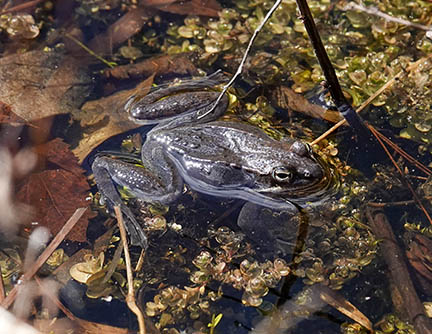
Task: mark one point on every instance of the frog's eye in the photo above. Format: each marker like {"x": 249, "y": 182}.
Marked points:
{"x": 282, "y": 175}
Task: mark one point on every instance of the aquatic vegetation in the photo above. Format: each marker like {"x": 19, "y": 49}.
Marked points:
{"x": 225, "y": 38}
{"x": 83, "y": 271}
{"x": 19, "y": 26}
{"x": 390, "y": 324}
{"x": 253, "y": 278}
{"x": 95, "y": 273}
{"x": 367, "y": 51}
{"x": 101, "y": 11}
{"x": 333, "y": 254}
{"x": 11, "y": 265}
{"x": 57, "y": 258}
{"x": 361, "y": 71}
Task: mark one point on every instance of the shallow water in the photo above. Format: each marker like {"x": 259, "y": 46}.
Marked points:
{"x": 329, "y": 244}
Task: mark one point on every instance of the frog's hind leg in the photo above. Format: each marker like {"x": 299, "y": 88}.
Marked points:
{"x": 103, "y": 169}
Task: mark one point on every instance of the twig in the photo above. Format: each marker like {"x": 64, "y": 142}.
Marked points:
{"x": 21, "y": 7}
{"x": 130, "y": 298}
{"x": 403, "y": 153}
{"x": 55, "y": 300}
{"x": 2, "y": 290}
{"x": 91, "y": 52}
{"x": 44, "y": 256}
{"x": 407, "y": 183}
{"x": 140, "y": 262}
{"x": 329, "y": 72}
{"x": 400, "y": 203}
{"x": 245, "y": 55}
{"x": 387, "y": 17}
{"x": 398, "y": 272}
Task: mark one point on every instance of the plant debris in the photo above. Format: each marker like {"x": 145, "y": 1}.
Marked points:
{"x": 57, "y": 191}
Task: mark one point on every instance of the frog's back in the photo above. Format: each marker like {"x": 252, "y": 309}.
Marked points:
{"x": 237, "y": 144}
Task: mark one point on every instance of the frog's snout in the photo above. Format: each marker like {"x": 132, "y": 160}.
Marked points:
{"x": 313, "y": 172}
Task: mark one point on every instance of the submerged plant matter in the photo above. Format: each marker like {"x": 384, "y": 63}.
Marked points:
{"x": 198, "y": 257}
{"x": 367, "y": 50}
{"x": 21, "y": 26}
{"x": 390, "y": 324}
{"x": 337, "y": 247}
{"x": 361, "y": 71}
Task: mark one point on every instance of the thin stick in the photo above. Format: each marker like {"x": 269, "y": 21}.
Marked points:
{"x": 44, "y": 256}
{"x": 408, "y": 184}
{"x": 400, "y": 203}
{"x": 91, "y": 52}
{"x": 329, "y": 72}
{"x": 404, "y": 154}
{"x": 359, "y": 109}
{"x": 2, "y": 290}
{"x": 130, "y": 298}
{"x": 55, "y": 300}
{"x": 140, "y": 262}
{"x": 21, "y": 6}
{"x": 245, "y": 55}
{"x": 387, "y": 17}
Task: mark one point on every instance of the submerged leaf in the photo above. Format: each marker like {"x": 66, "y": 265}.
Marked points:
{"x": 8, "y": 116}
{"x": 191, "y": 7}
{"x": 56, "y": 193}
{"x": 105, "y": 117}
{"x": 39, "y": 84}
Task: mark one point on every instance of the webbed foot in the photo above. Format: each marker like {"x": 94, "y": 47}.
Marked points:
{"x": 134, "y": 229}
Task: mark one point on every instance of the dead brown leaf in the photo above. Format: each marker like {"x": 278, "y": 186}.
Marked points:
{"x": 56, "y": 193}
{"x": 286, "y": 98}
{"x": 104, "y": 118}
{"x": 57, "y": 152}
{"x": 179, "y": 64}
{"x": 124, "y": 28}
{"x": 191, "y": 7}
{"x": 420, "y": 255}
{"x": 8, "y": 116}
{"x": 88, "y": 327}
{"x": 38, "y": 84}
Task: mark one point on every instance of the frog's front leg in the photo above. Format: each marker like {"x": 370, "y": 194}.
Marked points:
{"x": 140, "y": 181}
{"x": 273, "y": 228}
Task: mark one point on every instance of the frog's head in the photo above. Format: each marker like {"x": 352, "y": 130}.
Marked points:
{"x": 298, "y": 175}
{"x": 299, "y": 167}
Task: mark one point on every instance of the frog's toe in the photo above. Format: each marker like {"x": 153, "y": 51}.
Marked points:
{"x": 137, "y": 236}
{"x": 134, "y": 229}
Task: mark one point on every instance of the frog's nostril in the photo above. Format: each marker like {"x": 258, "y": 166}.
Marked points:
{"x": 314, "y": 171}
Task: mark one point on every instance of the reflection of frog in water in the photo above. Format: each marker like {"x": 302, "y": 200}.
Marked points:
{"x": 221, "y": 158}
